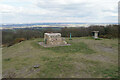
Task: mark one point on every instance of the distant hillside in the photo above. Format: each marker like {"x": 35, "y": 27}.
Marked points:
{"x": 57, "y": 24}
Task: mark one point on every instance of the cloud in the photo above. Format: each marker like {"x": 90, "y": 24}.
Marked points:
{"x": 59, "y": 10}
{"x": 6, "y": 8}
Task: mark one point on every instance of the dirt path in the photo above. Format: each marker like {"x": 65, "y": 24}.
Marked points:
{"x": 105, "y": 48}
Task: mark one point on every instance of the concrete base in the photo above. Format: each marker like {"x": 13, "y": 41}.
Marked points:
{"x": 45, "y": 45}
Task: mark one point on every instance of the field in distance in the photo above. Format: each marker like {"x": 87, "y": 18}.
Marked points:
{"x": 84, "y": 58}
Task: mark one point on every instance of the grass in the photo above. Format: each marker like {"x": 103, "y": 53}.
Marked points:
{"x": 73, "y": 48}
{"x": 55, "y": 67}
{"x": 7, "y": 59}
{"x": 98, "y": 39}
{"x": 80, "y": 60}
{"x": 106, "y": 72}
{"x": 110, "y": 73}
{"x": 93, "y": 38}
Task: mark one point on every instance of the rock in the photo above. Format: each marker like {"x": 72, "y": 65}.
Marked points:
{"x": 54, "y": 39}
{"x": 36, "y": 66}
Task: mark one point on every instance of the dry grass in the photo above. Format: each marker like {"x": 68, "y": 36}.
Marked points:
{"x": 84, "y": 58}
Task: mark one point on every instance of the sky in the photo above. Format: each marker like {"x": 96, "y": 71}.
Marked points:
{"x": 39, "y": 11}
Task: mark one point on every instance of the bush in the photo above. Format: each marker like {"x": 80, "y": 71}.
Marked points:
{"x": 17, "y": 40}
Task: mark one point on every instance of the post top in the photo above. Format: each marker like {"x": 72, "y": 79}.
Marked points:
{"x": 95, "y": 31}
{"x": 52, "y": 34}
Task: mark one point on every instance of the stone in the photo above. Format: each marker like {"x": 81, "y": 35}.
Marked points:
{"x": 36, "y": 66}
{"x": 54, "y": 39}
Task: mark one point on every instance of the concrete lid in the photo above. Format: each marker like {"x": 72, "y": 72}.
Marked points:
{"x": 53, "y": 34}
{"x": 95, "y": 31}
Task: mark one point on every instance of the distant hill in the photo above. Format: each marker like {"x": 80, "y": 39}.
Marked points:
{"x": 31, "y": 24}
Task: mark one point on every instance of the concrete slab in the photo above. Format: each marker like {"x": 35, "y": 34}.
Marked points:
{"x": 45, "y": 45}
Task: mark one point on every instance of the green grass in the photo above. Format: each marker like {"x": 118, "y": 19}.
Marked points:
{"x": 111, "y": 72}
{"x": 73, "y": 48}
{"x": 54, "y": 67}
{"x": 82, "y": 59}
{"x": 98, "y": 39}
{"x": 93, "y": 38}
{"x": 114, "y": 45}
{"x": 100, "y": 68}
{"x": 7, "y": 59}
{"x": 89, "y": 38}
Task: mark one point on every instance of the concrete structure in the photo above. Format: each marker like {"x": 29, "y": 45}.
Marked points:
{"x": 54, "y": 39}
{"x": 96, "y": 34}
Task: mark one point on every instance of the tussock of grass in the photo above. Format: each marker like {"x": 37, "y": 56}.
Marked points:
{"x": 8, "y": 59}
{"x": 98, "y": 39}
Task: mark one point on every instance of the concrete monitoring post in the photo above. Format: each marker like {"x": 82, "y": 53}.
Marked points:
{"x": 96, "y": 34}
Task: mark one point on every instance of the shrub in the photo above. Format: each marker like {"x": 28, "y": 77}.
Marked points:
{"x": 17, "y": 40}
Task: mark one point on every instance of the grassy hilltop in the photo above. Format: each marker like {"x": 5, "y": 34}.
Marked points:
{"x": 85, "y": 58}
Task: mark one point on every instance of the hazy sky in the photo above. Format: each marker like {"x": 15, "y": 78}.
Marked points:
{"x": 34, "y": 11}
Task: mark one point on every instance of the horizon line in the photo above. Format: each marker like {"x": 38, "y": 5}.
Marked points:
{"x": 63, "y": 23}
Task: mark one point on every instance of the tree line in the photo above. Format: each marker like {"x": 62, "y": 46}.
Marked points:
{"x": 13, "y": 36}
